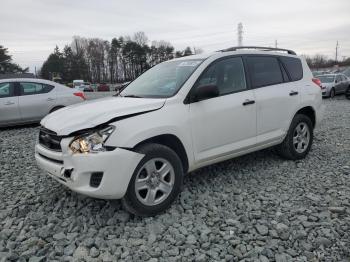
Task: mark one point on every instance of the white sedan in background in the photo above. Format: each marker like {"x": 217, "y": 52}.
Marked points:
{"x": 28, "y": 100}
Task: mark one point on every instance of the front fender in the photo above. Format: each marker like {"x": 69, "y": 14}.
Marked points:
{"x": 132, "y": 131}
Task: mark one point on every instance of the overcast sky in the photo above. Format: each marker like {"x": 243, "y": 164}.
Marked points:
{"x": 32, "y": 28}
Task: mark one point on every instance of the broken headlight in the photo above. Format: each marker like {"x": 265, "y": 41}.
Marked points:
{"x": 91, "y": 142}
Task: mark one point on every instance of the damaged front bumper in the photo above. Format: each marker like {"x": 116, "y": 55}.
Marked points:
{"x": 103, "y": 175}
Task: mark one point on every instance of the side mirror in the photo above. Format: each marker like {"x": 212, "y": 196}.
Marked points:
{"x": 205, "y": 91}
{"x": 336, "y": 81}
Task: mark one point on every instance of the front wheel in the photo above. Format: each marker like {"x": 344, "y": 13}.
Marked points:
{"x": 332, "y": 93}
{"x": 298, "y": 140}
{"x": 156, "y": 182}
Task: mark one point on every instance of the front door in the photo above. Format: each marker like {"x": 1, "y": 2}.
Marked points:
{"x": 225, "y": 124}
{"x": 9, "y": 110}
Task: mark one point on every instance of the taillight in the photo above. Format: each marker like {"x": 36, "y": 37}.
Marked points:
{"x": 80, "y": 94}
{"x": 317, "y": 81}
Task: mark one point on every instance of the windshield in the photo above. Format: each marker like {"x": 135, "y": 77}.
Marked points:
{"x": 163, "y": 80}
{"x": 326, "y": 79}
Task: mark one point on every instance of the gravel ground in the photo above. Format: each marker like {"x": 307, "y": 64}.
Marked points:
{"x": 253, "y": 208}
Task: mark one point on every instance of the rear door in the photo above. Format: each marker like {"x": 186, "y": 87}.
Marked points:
{"x": 36, "y": 100}
{"x": 276, "y": 96}
{"x": 9, "y": 110}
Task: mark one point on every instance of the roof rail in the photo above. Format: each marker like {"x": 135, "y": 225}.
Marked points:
{"x": 235, "y": 48}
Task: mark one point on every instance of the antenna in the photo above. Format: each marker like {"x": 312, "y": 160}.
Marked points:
{"x": 336, "y": 51}
{"x": 240, "y": 34}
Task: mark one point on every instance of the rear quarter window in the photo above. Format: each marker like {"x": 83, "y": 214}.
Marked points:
{"x": 31, "y": 88}
{"x": 293, "y": 66}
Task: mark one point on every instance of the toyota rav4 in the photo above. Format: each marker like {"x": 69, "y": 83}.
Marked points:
{"x": 179, "y": 116}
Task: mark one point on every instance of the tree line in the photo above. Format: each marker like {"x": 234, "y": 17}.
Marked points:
{"x": 97, "y": 60}
{"x": 319, "y": 61}
{"x": 6, "y": 64}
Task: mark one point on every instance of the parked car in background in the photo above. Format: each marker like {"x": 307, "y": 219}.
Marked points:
{"x": 88, "y": 89}
{"x": 347, "y": 93}
{"x": 333, "y": 84}
{"x": 346, "y": 72}
{"x": 77, "y": 83}
{"x": 179, "y": 116}
{"x": 27, "y": 100}
{"x": 317, "y": 73}
{"x": 103, "y": 88}
{"x": 94, "y": 87}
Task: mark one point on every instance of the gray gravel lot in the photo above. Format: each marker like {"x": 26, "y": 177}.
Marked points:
{"x": 253, "y": 208}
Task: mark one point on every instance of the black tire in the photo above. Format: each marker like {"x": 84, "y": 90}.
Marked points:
{"x": 131, "y": 203}
{"x": 347, "y": 93}
{"x": 287, "y": 148}
{"x": 332, "y": 93}
{"x": 56, "y": 108}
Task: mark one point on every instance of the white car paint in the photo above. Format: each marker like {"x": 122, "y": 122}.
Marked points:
{"x": 20, "y": 109}
{"x": 104, "y": 109}
{"x": 212, "y": 130}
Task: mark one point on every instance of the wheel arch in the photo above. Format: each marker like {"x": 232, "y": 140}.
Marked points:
{"x": 309, "y": 111}
{"x": 172, "y": 142}
{"x": 56, "y": 108}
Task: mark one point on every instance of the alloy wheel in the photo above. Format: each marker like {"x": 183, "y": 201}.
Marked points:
{"x": 154, "y": 181}
{"x": 301, "y": 137}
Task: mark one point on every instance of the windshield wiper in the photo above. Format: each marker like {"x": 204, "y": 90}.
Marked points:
{"x": 134, "y": 96}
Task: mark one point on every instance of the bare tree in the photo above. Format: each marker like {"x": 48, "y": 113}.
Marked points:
{"x": 140, "y": 38}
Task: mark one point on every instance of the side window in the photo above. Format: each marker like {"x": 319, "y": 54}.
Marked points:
{"x": 228, "y": 75}
{"x": 338, "y": 79}
{"x": 284, "y": 73}
{"x": 29, "y": 88}
{"x": 7, "y": 90}
{"x": 293, "y": 66}
{"x": 47, "y": 88}
{"x": 264, "y": 71}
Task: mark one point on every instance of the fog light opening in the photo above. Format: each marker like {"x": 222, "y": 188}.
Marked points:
{"x": 67, "y": 173}
{"x": 95, "y": 179}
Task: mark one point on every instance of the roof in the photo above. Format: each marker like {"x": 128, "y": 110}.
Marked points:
{"x": 26, "y": 80}
{"x": 331, "y": 74}
{"x": 241, "y": 51}
{"x": 21, "y": 75}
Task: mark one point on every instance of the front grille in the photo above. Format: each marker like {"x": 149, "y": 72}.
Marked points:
{"x": 50, "y": 140}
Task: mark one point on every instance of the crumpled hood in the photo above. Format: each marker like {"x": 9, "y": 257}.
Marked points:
{"x": 93, "y": 113}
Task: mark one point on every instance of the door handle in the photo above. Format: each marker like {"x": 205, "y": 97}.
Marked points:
{"x": 9, "y": 103}
{"x": 293, "y": 93}
{"x": 248, "y": 102}
{"x": 50, "y": 99}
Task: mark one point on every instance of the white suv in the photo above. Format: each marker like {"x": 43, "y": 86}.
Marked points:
{"x": 179, "y": 116}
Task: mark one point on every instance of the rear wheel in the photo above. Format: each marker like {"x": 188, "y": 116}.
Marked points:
{"x": 298, "y": 140}
{"x": 347, "y": 93}
{"x": 156, "y": 182}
